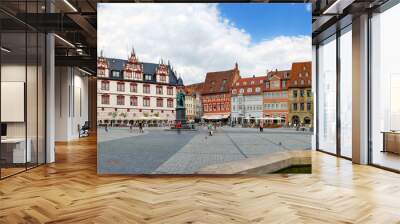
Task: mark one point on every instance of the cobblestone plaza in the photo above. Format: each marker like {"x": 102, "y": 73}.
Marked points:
{"x": 157, "y": 151}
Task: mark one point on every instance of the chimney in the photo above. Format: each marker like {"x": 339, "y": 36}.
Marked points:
{"x": 236, "y": 66}
{"x": 276, "y": 70}
{"x": 254, "y": 76}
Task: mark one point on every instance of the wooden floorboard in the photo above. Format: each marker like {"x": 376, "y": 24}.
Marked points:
{"x": 70, "y": 191}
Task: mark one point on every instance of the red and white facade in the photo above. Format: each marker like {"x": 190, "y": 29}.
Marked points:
{"x": 131, "y": 91}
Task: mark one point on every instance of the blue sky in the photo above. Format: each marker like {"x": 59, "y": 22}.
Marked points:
{"x": 269, "y": 20}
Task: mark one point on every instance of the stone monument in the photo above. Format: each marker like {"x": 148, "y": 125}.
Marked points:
{"x": 180, "y": 108}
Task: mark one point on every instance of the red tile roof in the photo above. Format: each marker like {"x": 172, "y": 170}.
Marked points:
{"x": 194, "y": 88}
{"x": 220, "y": 82}
{"x": 300, "y": 75}
{"x": 285, "y": 74}
{"x": 250, "y": 82}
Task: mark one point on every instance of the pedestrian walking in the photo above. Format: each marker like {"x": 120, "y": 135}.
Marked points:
{"x": 210, "y": 131}
{"x": 179, "y": 126}
{"x": 140, "y": 127}
{"x": 106, "y": 127}
{"x": 130, "y": 127}
{"x": 261, "y": 127}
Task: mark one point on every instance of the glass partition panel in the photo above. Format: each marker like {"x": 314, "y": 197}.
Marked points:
{"x": 13, "y": 92}
{"x": 346, "y": 93}
{"x": 385, "y": 89}
{"x": 31, "y": 98}
{"x": 41, "y": 99}
{"x": 327, "y": 95}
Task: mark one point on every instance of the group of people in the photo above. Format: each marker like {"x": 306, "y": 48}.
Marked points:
{"x": 140, "y": 125}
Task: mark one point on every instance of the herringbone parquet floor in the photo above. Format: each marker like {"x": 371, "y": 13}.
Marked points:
{"x": 69, "y": 191}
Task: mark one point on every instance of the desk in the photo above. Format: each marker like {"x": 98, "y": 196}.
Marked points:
{"x": 13, "y": 150}
{"x": 391, "y": 141}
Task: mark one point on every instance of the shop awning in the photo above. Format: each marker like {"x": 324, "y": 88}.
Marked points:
{"x": 215, "y": 117}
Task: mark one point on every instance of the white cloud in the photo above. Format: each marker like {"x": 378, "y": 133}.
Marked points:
{"x": 195, "y": 38}
{"x": 308, "y": 7}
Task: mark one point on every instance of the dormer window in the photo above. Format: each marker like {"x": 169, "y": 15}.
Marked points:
{"x": 163, "y": 78}
{"x": 115, "y": 74}
{"x": 147, "y": 77}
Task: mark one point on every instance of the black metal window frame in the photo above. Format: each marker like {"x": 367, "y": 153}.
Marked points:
{"x": 44, "y": 80}
{"x": 339, "y": 32}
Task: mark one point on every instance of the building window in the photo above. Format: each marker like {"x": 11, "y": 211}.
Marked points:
{"x": 283, "y": 83}
{"x": 241, "y": 90}
{"x": 170, "y": 103}
{"x": 301, "y": 93}
{"x": 159, "y": 102}
{"x": 105, "y": 99}
{"x": 159, "y": 90}
{"x": 136, "y": 75}
{"x": 120, "y": 100}
{"x": 146, "y": 102}
{"x": 308, "y": 106}
{"x": 105, "y": 85}
{"x": 120, "y": 86}
{"x": 163, "y": 78}
{"x": 146, "y": 88}
{"x": 147, "y": 77}
{"x": 234, "y": 91}
{"x": 249, "y": 90}
{"x": 267, "y": 85}
{"x": 258, "y": 89}
{"x": 301, "y": 106}
{"x": 134, "y": 101}
{"x": 275, "y": 84}
{"x": 133, "y": 87}
{"x": 294, "y": 106}
{"x": 295, "y": 93}
{"x": 170, "y": 91}
{"x": 295, "y": 82}
{"x": 101, "y": 73}
{"x": 115, "y": 74}
{"x": 308, "y": 93}
{"x": 302, "y": 82}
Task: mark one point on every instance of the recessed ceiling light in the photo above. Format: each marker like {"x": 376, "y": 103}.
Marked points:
{"x": 86, "y": 72}
{"x": 64, "y": 40}
{"x": 5, "y": 50}
{"x": 70, "y": 5}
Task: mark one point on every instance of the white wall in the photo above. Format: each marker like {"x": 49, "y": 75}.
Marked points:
{"x": 71, "y": 103}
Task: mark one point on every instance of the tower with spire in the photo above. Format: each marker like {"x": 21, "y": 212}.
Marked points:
{"x": 162, "y": 72}
{"x": 102, "y": 66}
{"x": 133, "y": 70}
